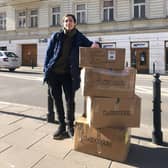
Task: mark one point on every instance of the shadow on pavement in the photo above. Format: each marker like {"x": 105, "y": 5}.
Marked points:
{"x": 146, "y": 157}
{"x": 141, "y": 138}
{"x": 25, "y": 116}
{"x": 24, "y": 72}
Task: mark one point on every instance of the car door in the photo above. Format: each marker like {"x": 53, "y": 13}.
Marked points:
{"x": 13, "y": 59}
{"x": 1, "y": 59}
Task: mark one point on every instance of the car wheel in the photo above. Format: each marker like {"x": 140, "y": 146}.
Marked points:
{"x": 11, "y": 69}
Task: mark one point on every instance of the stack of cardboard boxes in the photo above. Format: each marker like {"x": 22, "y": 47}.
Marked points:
{"x": 111, "y": 105}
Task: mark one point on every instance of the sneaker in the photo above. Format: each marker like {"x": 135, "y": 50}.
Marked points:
{"x": 60, "y": 133}
{"x": 70, "y": 131}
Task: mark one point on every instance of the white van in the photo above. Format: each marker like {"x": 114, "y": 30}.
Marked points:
{"x": 9, "y": 60}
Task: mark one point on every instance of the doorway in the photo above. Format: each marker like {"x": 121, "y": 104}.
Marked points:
{"x": 29, "y": 55}
{"x": 166, "y": 56}
{"x": 140, "y": 59}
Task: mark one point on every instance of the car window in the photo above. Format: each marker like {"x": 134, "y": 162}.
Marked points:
{"x": 10, "y": 54}
{"x": 1, "y": 54}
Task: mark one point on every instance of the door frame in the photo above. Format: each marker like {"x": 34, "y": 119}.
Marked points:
{"x": 136, "y": 46}
{"x": 31, "y": 53}
{"x": 166, "y": 57}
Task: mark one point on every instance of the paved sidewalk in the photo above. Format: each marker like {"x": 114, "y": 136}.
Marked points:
{"x": 29, "y": 69}
{"x": 26, "y": 142}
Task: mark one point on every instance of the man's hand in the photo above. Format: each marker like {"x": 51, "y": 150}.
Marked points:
{"x": 95, "y": 45}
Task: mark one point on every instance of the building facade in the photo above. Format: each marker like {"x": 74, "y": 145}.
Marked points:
{"x": 139, "y": 26}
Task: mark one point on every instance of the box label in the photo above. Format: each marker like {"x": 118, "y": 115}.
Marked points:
{"x": 111, "y": 55}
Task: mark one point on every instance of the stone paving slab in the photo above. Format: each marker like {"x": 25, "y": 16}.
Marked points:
{"x": 29, "y": 123}
{"x": 6, "y": 130}
{"x": 52, "y": 162}
{"x": 47, "y": 128}
{"x": 4, "y": 146}
{"x": 8, "y": 119}
{"x": 3, "y": 106}
{"x": 121, "y": 165}
{"x": 20, "y": 158}
{"x": 55, "y": 148}
{"x": 27, "y": 143}
{"x": 24, "y": 138}
{"x": 87, "y": 160}
{"x": 14, "y": 109}
{"x": 34, "y": 112}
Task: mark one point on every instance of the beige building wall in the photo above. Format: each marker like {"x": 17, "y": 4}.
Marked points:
{"x": 157, "y": 8}
{"x": 122, "y": 31}
{"x": 123, "y": 10}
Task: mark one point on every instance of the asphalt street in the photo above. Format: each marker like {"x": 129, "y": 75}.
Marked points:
{"x": 26, "y": 87}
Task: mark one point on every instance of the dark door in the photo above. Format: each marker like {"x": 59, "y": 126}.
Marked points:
{"x": 166, "y": 60}
{"x": 29, "y": 54}
{"x": 140, "y": 59}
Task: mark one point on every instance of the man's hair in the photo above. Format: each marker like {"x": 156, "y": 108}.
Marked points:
{"x": 70, "y": 15}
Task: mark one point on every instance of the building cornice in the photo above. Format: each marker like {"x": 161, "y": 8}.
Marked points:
{"x": 110, "y": 28}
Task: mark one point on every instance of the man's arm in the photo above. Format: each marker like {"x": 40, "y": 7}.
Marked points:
{"x": 49, "y": 52}
{"x": 87, "y": 43}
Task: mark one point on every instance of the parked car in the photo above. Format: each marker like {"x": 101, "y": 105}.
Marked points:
{"x": 9, "y": 60}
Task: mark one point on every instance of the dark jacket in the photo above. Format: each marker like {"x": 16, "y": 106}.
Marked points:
{"x": 54, "y": 51}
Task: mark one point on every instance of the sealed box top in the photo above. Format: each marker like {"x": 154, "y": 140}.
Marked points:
{"x": 110, "y": 58}
{"x": 108, "y": 83}
{"x": 113, "y": 112}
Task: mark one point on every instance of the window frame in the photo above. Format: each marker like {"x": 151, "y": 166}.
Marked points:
{"x": 3, "y": 21}
{"x": 81, "y": 12}
{"x": 108, "y": 11}
{"x": 22, "y": 18}
{"x": 57, "y": 14}
{"x": 139, "y": 5}
{"x": 33, "y": 23}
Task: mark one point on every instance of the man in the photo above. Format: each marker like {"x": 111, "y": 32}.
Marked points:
{"x": 62, "y": 72}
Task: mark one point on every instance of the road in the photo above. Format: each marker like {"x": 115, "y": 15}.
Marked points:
{"x": 25, "y": 88}
{"x": 144, "y": 88}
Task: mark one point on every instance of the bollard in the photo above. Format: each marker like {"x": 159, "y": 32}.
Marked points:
{"x": 32, "y": 64}
{"x": 153, "y": 67}
{"x": 126, "y": 64}
{"x": 157, "y": 133}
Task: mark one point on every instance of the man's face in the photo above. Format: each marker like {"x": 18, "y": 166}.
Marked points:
{"x": 69, "y": 23}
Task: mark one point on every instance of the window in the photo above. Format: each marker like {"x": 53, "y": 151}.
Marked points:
{"x": 2, "y": 21}
{"x": 10, "y": 54}
{"x": 139, "y": 9}
{"x": 109, "y": 45}
{"x": 108, "y": 10}
{"x": 27, "y": 18}
{"x": 21, "y": 20}
{"x": 81, "y": 13}
{"x": 55, "y": 16}
{"x": 3, "y": 48}
{"x": 34, "y": 18}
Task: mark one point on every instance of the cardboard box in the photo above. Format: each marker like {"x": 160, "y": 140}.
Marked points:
{"x": 108, "y": 143}
{"x": 113, "y": 58}
{"x": 113, "y": 112}
{"x": 108, "y": 83}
